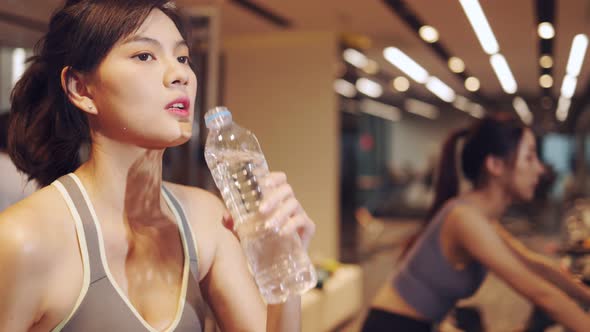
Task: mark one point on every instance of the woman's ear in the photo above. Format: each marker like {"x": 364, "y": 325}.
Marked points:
{"x": 75, "y": 87}
{"x": 495, "y": 166}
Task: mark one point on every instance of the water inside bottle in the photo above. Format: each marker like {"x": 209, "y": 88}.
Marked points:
{"x": 279, "y": 263}
{"x": 236, "y": 174}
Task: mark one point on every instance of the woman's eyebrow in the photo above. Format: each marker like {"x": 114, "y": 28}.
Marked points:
{"x": 144, "y": 39}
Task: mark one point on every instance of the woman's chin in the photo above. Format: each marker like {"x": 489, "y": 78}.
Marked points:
{"x": 183, "y": 135}
{"x": 180, "y": 140}
{"x": 186, "y": 130}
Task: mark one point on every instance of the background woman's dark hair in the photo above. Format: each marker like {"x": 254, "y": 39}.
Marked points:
{"x": 46, "y": 130}
{"x": 498, "y": 135}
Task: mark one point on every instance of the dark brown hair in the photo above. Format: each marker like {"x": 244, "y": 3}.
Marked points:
{"x": 46, "y": 130}
{"x": 497, "y": 135}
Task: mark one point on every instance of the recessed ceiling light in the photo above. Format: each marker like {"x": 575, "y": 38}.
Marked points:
{"x": 428, "y": 34}
{"x": 456, "y": 65}
{"x": 546, "y": 81}
{"x": 401, "y": 84}
{"x": 546, "y": 61}
{"x": 472, "y": 84}
{"x": 546, "y": 30}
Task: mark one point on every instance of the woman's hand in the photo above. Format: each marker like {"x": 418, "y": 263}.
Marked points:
{"x": 281, "y": 209}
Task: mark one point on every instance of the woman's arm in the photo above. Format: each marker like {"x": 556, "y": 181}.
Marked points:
{"x": 478, "y": 237}
{"x": 284, "y": 212}
{"x": 228, "y": 284}
{"x": 545, "y": 268}
{"x": 285, "y": 316}
{"x": 229, "y": 287}
{"x": 234, "y": 297}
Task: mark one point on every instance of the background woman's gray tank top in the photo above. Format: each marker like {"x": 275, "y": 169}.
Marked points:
{"x": 101, "y": 305}
{"x": 427, "y": 281}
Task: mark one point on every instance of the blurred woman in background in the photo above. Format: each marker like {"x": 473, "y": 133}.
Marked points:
{"x": 463, "y": 239}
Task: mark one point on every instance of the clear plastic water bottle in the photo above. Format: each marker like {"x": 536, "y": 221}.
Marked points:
{"x": 279, "y": 263}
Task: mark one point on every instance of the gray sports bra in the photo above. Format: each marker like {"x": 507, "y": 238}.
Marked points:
{"x": 427, "y": 280}
{"x": 101, "y": 305}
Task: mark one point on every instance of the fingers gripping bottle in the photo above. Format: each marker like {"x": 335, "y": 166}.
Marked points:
{"x": 279, "y": 263}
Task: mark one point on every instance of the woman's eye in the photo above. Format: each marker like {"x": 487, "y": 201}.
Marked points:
{"x": 144, "y": 57}
{"x": 183, "y": 59}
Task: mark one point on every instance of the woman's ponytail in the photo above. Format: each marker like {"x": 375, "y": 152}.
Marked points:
{"x": 447, "y": 180}
{"x": 446, "y": 184}
{"x": 45, "y": 130}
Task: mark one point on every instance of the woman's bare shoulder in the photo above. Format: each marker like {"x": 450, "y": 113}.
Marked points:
{"x": 199, "y": 204}
{"x": 34, "y": 226}
{"x": 466, "y": 212}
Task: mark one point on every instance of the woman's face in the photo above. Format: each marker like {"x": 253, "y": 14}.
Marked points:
{"x": 527, "y": 169}
{"x": 144, "y": 90}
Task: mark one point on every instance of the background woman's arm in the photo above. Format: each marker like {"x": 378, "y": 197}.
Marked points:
{"x": 478, "y": 237}
{"x": 544, "y": 267}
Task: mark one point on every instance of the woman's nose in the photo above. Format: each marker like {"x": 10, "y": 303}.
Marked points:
{"x": 176, "y": 74}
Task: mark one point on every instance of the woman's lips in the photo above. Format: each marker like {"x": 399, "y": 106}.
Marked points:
{"x": 179, "y": 107}
{"x": 179, "y": 111}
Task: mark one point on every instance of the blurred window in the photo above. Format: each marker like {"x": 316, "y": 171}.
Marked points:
{"x": 12, "y": 66}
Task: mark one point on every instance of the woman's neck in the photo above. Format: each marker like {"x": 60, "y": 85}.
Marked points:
{"x": 125, "y": 179}
{"x": 491, "y": 200}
